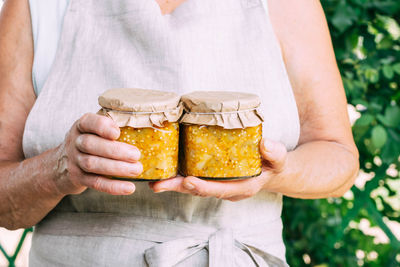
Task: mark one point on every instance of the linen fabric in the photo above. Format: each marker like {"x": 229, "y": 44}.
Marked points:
{"x": 47, "y": 19}
{"x": 226, "y": 45}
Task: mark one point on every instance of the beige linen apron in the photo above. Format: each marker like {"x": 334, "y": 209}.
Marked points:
{"x": 202, "y": 45}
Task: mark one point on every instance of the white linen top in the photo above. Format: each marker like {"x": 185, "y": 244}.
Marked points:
{"x": 47, "y": 18}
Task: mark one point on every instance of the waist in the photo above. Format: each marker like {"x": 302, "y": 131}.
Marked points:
{"x": 148, "y": 228}
{"x": 174, "y": 240}
{"x": 178, "y": 207}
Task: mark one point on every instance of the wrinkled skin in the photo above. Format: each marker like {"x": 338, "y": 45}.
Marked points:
{"x": 89, "y": 153}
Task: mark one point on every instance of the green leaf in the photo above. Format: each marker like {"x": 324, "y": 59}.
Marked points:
{"x": 353, "y": 40}
{"x": 369, "y": 42}
{"x": 391, "y": 117}
{"x": 365, "y": 120}
{"x": 344, "y": 17}
{"x": 372, "y": 75}
{"x": 348, "y": 84}
{"x": 378, "y": 136}
{"x": 388, "y": 72}
{"x": 396, "y": 68}
{"x": 390, "y": 152}
{"x": 390, "y": 7}
{"x": 386, "y": 43}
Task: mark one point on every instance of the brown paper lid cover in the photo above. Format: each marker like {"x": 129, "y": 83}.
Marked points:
{"x": 140, "y": 108}
{"x": 230, "y": 110}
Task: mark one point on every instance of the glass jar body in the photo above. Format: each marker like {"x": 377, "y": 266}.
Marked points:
{"x": 158, "y": 147}
{"x": 212, "y": 152}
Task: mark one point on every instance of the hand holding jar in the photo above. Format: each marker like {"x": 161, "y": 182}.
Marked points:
{"x": 274, "y": 164}
{"x": 90, "y": 153}
{"x": 148, "y": 119}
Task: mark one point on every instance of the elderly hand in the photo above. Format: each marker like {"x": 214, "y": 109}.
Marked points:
{"x": 274, "y": 161}
{"x": 90, "y": 153}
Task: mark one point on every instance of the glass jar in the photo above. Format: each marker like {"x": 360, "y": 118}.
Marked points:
{"x": 148, "y": 119}
{"x": 220, "y": 135}
{"x": 158, "y": 147}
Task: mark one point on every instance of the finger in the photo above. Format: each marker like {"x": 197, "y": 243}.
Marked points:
{"x": 168, "y": 6}
{"x": 236, "y": 198}
{"x": 98, "y": 146}
{"x": 173, "y": 184}
{"x": 100, "y": 125}
{"x": 103, "y": 166}
{"x": 222, "y": 189}
{"x": 273, "y": 153}
{"x": 109, "y": 186}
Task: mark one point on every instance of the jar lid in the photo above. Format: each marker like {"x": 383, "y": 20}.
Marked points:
{"x": 230, "y": 110}
{"x": 140, "y": 108}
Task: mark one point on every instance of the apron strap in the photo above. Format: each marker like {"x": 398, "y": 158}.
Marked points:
{"x": 172, "y": 252}
{"x": 220, "y": 245}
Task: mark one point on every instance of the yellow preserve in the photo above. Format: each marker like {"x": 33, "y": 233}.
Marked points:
{"x": 158, "y": 147}
{"x": 148, "y": 119}
{"x": 220, "y": 135}
{"x": 215, "y": 152}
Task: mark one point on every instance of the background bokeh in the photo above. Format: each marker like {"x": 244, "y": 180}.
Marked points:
{"x": 359, "y": 229}
{"x": 363, "y": 227}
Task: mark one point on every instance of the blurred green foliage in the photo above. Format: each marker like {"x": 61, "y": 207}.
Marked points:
{"x": 366, "y": 37}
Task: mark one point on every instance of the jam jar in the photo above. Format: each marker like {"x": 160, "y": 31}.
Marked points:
{"x": 148, "y": 119}
{"x": 220, "y": 135}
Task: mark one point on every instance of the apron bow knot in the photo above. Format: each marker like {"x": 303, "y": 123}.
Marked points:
{"x": 221, "y": 246}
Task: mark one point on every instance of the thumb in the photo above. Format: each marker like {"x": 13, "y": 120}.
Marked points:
{"x": 274, "y": 154}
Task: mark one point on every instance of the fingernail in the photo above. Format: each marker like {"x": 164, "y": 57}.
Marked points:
{"x": 160, "y": 190}
{"x": 137, "y": 169}
{"x": 78, "y": 141}
{"x": 134, "y": 154}
{"x": 128, "y": 188}
{"x": 189, "y": 186}
{"x": 268, "y": 145}
{"x": 116, "y": 132}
